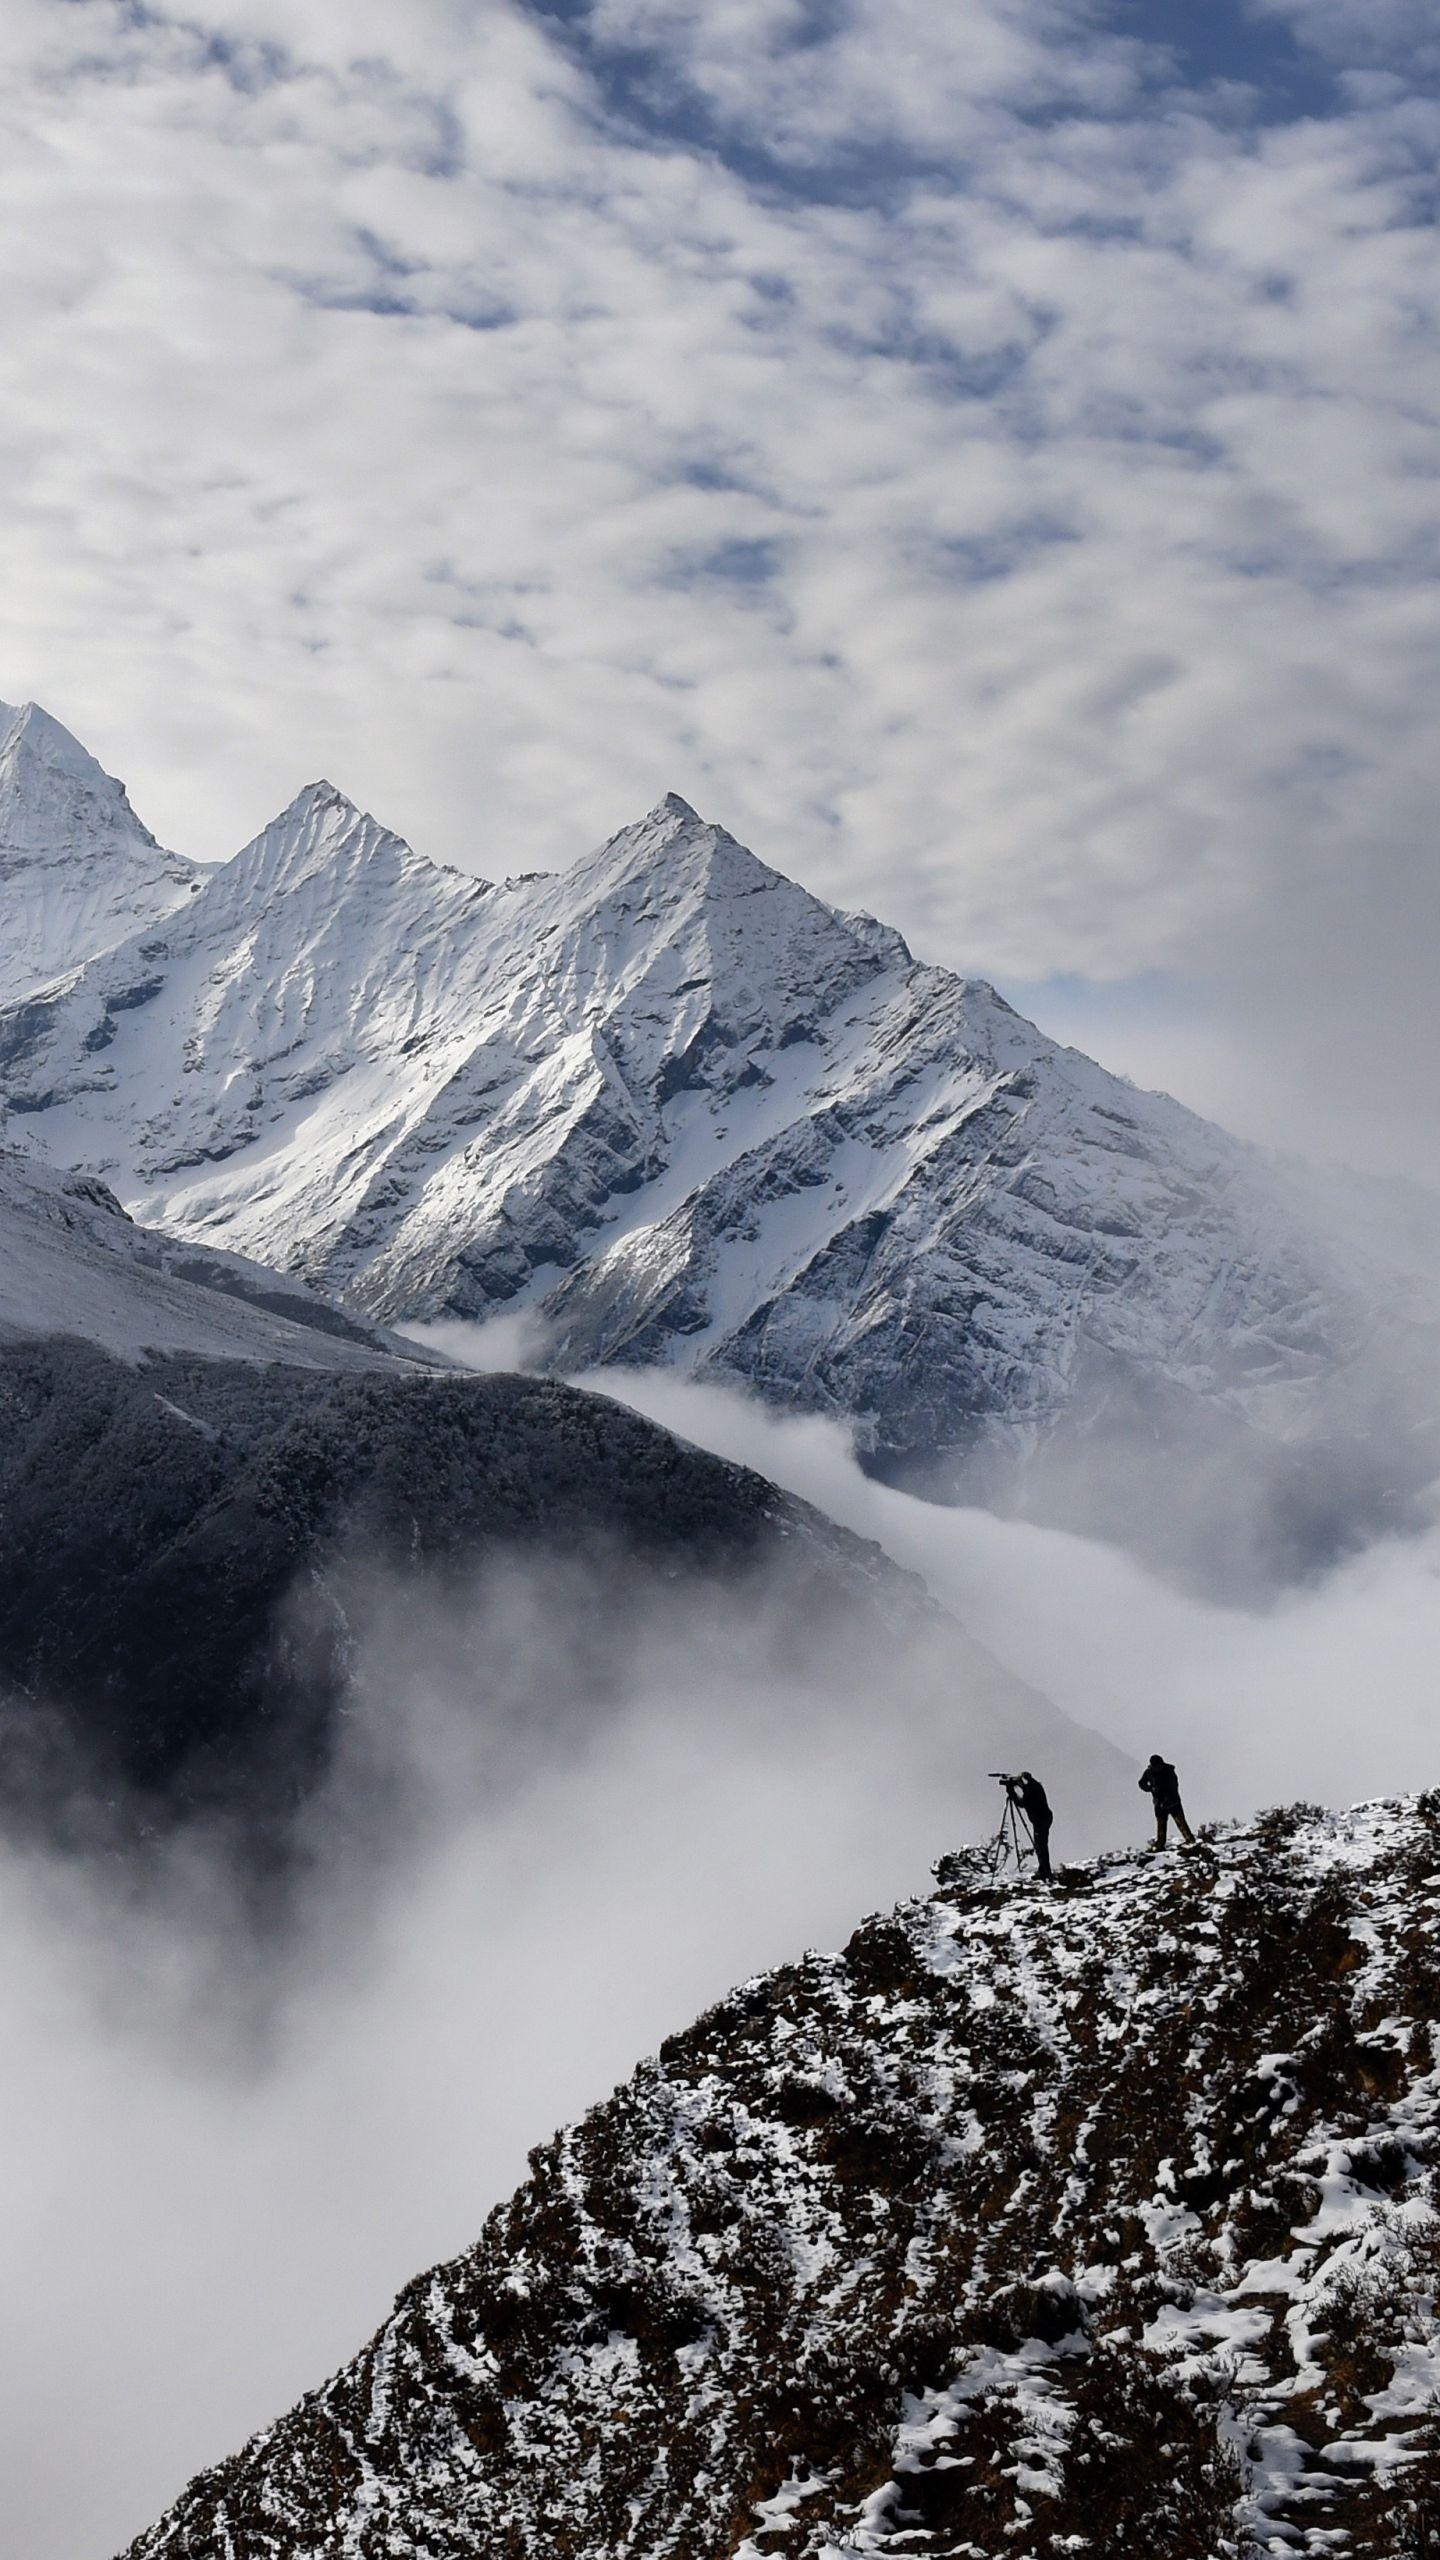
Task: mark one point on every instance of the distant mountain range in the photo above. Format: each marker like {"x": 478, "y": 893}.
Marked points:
{"x": 1033, "y": 2221}
{"x": 682, "y": 1112}
{"x": 1099, "y": 2221}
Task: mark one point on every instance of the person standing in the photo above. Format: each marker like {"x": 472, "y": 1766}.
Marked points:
{"x": 1035, "y": 1805}
{"x": 1159, "y": 1782}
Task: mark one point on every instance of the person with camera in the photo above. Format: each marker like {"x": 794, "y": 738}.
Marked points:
{"x": 1029, "y": 1798}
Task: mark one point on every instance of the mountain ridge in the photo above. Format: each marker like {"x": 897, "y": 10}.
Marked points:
{"x": 59, "y": 809}
{"x": 74, "y": 1266}
{"x": 680, "y": 1111}
{"x": 1032, "y": 2223}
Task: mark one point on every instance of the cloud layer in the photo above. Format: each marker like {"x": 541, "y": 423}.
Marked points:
{"x": 548, "y": 1842}
{"x": 1328, "y": 1694}
{"x": 986, "y": 459}
{"x": 220, "y": 2154}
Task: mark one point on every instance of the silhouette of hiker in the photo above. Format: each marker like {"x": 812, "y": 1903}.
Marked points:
{"x": 1162, "y": 1786}
{"x": 1034, "y": 1803}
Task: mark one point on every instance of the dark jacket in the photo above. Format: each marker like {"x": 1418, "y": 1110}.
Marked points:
{"x": 1161, "y": 1784}
{"x": 1035, "y": 1805}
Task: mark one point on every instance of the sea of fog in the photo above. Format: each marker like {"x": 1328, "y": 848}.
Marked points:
{"x": 221, "y": 2154}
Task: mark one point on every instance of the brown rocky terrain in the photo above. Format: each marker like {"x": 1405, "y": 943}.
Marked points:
{"x": 1098, "y": 2220}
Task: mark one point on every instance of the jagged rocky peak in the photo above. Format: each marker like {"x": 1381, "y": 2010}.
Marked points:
{"x": 688, "y": 916}
{"x": 55, "y": 799}
{"x": 688, "y": 853}
{"x": 78, "y": 868}
{"x": 33, "y": 742}
{"x": 1096, "y": 2220}
{"x": 675, "y": 853}
{"x": 322, "y": 830}
{"x": 686, "y": 1112}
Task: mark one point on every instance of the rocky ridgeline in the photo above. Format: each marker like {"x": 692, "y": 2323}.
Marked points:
{"x": 1100, "y": 2220}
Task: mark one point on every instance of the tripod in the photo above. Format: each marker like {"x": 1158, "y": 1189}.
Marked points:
{"x": 1014, "y": 1842}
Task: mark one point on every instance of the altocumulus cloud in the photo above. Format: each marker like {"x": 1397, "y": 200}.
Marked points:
{"x": 986, "y": 458}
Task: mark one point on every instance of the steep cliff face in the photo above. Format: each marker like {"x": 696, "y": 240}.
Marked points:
{"x": 1035, "y": 2223}
{"x": 685, "y": 1113}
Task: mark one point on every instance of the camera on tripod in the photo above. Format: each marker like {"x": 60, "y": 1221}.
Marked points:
{"x": 1015, "y": 1840}
{"x": 1024, "y": 1834}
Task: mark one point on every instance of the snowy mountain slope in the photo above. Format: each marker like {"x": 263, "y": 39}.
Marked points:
{"x": 78, "y": 871}
{"x": 1102, "y": 2221}
{"x": 687, "y": 1113}
{"x": 379, "y": 1071}
{"x": 73, "y": 1265}
{"x": 285, "y": 1014}
{"x": 218, "y": 1492}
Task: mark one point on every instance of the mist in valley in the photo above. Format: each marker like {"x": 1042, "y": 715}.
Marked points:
{"x": 558, "y": 1824}
{"x": 564, "y": 1815}
{"x": 1325, "y": 1690}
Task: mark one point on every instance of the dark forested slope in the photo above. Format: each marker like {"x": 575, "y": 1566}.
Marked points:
{"x": 226, "y": 1506}
{"x": 1095, "y": 2222}
{"x": 188, "y": 1546}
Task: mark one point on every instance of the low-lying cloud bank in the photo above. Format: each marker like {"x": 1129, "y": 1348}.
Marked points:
{"x": 220, "y": 2156}
{"x": 1327, "y": 1693}
{"x": 568, "y": 1811}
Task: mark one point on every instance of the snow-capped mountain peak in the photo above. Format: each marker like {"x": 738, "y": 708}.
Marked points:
{"x": 321, "y": 834}
{"x": 671, "y": 811}
{"x": 37, "y": 746}
{"x": 674, "y": 908}
{"x": 685, "y": 1112}
{"x": 677, "y": 852}
{"x": 78, "y": 869}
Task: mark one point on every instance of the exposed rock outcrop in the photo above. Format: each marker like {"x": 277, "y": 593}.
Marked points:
{"x": 1101, "y": 2220}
